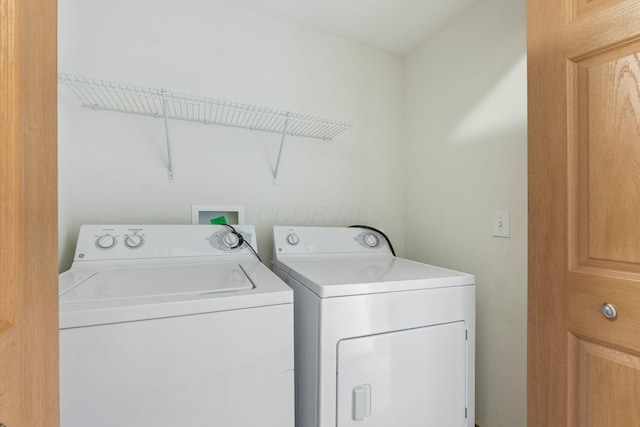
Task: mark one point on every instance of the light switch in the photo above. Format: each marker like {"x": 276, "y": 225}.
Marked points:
{"x": 502, "y": 224}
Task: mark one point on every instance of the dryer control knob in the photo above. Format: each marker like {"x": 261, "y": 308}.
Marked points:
{"x": 106, "y": 241}
{"x": 231, "y": 240}
{"x": 133, "y": 241}
{"x": 372, "y": 240}
{"x": 293, "y": 239}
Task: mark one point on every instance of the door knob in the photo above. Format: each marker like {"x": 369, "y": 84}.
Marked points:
{"x": 609, "y": 311}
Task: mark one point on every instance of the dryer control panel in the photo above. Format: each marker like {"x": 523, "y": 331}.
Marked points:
{"x": 328, "y": 240}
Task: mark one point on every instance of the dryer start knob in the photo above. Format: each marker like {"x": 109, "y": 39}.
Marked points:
{"x": 293, "y": 239}
{"x": 371, "y": 240}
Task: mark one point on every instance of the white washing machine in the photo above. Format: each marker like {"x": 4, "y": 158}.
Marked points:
{"x": 380, "y": 341}
{"x": 175, "y": 325}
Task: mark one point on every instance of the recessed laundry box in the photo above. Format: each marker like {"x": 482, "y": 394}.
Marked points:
{"x": 176, "y": 325}
{"x": 380, "y": 341}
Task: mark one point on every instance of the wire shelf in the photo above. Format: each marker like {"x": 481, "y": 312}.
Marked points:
{"x": 126, "y": 98}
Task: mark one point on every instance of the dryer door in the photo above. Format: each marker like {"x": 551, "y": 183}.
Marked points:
{"x": 408, "y": 378}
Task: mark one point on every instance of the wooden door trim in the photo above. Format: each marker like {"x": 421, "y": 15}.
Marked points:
{"x": 547, "y": 336}
{"x": 28, "y": 219}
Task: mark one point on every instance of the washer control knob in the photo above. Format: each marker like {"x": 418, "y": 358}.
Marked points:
{"x": 371, "y": 240}
{"x": 293, "y": 239}
{"x": 231, "y": 240}
{"x": 133, "y": 241}
{"x": 106, "y": 241}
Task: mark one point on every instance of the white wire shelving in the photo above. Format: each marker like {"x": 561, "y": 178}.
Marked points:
{"x": 126, "y": 98}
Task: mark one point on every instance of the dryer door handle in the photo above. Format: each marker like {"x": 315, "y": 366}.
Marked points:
{"x": 361, "y": 402}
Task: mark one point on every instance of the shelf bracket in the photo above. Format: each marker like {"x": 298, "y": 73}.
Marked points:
{"x": 165, "y": 113}
{"x": 284, "y": 133}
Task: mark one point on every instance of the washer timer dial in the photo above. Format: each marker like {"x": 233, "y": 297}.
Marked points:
{"x": 231, "y": 240}
{"x": 106, "y": 241}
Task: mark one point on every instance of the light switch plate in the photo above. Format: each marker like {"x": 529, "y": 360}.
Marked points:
{"x": 502, "y": 224}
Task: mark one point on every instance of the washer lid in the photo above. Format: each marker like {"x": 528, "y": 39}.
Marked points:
{"x": 355, "y": 276}
{"x": 125, "y": 294}
{"x": 154, "y": 281}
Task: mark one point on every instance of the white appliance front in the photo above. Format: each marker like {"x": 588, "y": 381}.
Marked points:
{"x": 231, "y": 368}
{"x": 406, "y": 378}
{"x": 390, "y": 342}
{"x": 184, "y": 331}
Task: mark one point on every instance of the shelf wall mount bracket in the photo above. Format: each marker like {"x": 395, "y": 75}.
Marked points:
{"x": 284, "y": 134}
{"x": 165, "y": 114}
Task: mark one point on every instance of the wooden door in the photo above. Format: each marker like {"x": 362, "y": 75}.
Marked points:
{"x": 584, "y": 212}
{"x": 28, "y": 214}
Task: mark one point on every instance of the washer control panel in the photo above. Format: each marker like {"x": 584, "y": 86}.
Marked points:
{"x": 109, "y": 242}
{"x": 131, "y": 238}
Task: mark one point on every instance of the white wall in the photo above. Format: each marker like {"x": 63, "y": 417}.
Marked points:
{"x": 440, "y": 138}
{"x": 113, "y": 166}
{"x": 466, "y": 157}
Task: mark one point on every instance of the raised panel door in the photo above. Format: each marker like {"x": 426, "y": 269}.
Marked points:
{"x": 584, "y": 199}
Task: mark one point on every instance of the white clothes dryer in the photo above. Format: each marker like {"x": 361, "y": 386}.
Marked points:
{"x": 380, "y": 341}
{"x": 174, "y": 325}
